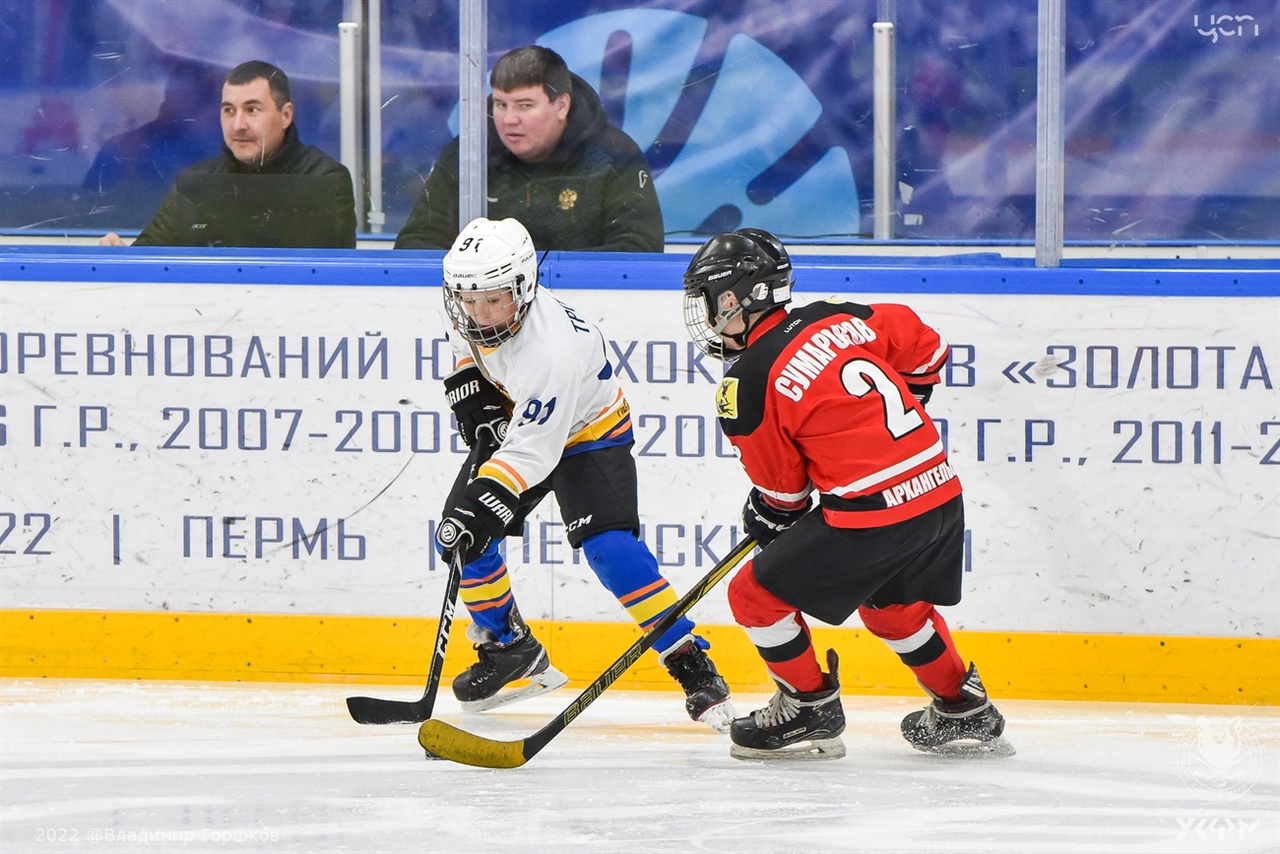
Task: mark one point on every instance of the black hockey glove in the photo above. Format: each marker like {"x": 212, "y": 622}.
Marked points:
{"x": 482, "y": 516}
{"x": 477, "y": 405}
{"x": 765, "y": 523}
{"x": 922, "y": 393}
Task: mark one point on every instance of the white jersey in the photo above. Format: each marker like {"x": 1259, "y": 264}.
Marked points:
{"x": 565, "y": 396}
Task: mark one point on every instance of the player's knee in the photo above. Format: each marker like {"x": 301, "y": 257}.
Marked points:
{"x": 751, "y": 604}
{"x": 620, "y": 561}
{"x": 895, "y": 621}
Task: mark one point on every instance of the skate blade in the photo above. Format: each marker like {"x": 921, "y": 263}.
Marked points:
{"x": 814, "y": 750}
{"x": 548, "y": 680}
{"x": 719, "y": 717}
{"x": 996, "y": 748}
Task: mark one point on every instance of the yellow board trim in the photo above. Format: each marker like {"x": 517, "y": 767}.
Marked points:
{"x": 397, "y": 650}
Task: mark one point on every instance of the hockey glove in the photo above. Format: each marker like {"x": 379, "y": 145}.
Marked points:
{"x": 921, "y": 393}
{"x": 477, "y": 405}
{"x": 764, "y": 522}
{"x": 482, "y": 516}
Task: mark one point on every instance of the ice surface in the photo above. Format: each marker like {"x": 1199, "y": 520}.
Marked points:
{"x": 163, "y": 766}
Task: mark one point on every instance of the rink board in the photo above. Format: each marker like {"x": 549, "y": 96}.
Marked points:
{"x": 218, "y": 447}
{"x": 282, "y": 648}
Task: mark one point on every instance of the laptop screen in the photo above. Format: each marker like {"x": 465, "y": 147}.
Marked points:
{"x": 261, "y": 210}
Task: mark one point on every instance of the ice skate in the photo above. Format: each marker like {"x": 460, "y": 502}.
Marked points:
{"x": 706, "y": 694}
{"x": 971, "y": 727}
{"x": 795, "y": 725}
{"x": 481, "y": 686}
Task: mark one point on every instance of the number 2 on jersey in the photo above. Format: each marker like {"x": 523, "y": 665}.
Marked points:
{"x": 861, "y": 376}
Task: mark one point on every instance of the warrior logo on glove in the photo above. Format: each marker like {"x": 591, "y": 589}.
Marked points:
{"x": 482, "y": 516}
{"x": 449, "y": 533}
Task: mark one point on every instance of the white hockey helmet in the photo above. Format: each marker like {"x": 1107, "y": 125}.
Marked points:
{"x": 490, "y": 255}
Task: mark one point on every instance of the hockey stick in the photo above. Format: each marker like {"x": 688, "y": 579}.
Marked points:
{"x": 445, "y": 741}
{"x": 371, "y": 710}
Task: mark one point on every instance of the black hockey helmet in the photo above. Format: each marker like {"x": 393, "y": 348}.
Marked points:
{"x": 751, "y": 265}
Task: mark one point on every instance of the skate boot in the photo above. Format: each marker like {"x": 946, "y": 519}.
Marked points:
{"x": 706, "y": 694}
{"x": 481, "y": 685}
{"x": 970, "y": 727}
{"x": 794, "y": 725}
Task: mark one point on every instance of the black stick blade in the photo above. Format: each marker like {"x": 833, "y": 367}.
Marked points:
{"x": 371, "y": 710}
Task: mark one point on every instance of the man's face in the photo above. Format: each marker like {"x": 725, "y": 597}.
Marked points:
{"x": 528, "y": 122}
{"x": 253, "y": 126}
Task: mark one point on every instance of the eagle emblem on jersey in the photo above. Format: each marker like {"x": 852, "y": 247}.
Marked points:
{"x": 727, "y": 398}
{"x": 568, "y": 198}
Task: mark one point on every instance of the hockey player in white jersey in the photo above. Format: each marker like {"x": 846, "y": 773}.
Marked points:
{"x": 535, "y": 376}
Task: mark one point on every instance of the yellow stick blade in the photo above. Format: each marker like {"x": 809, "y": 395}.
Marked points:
{"x": 448, "y": 742}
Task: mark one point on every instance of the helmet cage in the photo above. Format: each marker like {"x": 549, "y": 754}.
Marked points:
{"x": 739, "y": 264}
{"x": 705, "y": 332}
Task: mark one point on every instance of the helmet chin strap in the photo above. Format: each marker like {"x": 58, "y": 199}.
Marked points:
{"x": 750, "y": 319}
{"x": 740, "y": 338}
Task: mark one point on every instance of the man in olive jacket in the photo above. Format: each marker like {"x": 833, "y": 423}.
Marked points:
{"x": 555, "y": 164}
{"x": 259, "y": 139}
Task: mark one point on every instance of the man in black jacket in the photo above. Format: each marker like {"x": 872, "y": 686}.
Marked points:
{"x": 555, "y": 164}
{"x": 259, "y": 139}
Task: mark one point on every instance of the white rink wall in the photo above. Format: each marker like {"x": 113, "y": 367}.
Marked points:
{"x": 262, "y": 448}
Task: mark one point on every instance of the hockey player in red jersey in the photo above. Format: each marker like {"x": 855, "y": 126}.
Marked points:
{"x": 830, "y": 398}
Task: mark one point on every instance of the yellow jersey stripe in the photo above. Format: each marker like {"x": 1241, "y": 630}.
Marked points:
{"x": 503, "y": 474}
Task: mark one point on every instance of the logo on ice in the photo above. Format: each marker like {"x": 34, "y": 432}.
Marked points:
{"x": 1219, "y": 760}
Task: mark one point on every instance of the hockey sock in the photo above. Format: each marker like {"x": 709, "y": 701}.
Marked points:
{"x": 779, "y": 632}
{"x": 919, "y": 635}
{"x": 486, "y": 591}
{"x": 629, "y": 571}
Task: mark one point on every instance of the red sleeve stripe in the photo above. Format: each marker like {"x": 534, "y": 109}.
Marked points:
{"x": 935, "y": 362}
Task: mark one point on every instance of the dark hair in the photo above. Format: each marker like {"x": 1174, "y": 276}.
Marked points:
{"x": 532, "y": 65}
{"x": 254, "y": 69}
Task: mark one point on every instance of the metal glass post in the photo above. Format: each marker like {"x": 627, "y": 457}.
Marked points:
{"x": 351, "y": 140}
{"x": 473, "y": 138}
{"x": 1050, "y": 131}
{"x": 373, "y": 115}
{"x": 885, "y": 133}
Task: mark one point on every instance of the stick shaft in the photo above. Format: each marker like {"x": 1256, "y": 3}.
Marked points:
{"x": 448, "y": 742}
{"x": 442, "y": 633}
{"x": 371, "y": 710}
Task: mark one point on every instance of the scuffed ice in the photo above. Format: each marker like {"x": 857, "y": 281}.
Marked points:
{"x": 155, "y": 766}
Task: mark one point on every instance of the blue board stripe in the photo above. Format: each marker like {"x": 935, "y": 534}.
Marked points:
{"x": 971, "y": 273}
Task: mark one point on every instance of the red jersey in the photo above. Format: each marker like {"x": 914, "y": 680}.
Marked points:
{"x": 820, "y": 400}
